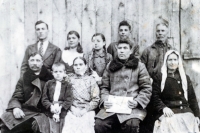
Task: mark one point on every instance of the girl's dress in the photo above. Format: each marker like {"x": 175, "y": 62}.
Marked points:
{"x": 68, "y": 58}
{"x": 86, "y": 96}
{"x": 98, "y": 62}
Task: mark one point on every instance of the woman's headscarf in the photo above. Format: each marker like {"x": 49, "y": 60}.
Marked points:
{"x": 181, "y": 71}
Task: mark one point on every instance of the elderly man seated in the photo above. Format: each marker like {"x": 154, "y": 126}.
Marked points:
{"x": 24, "y": 112}
{"x": 125, "y": 76}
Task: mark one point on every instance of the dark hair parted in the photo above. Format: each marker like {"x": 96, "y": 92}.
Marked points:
{"x": 103, "y": 38}
{"x": 124, "y": 23}
{"x": 126, "y": 42}
{"x": 40, "y": 22}
{"x": 104, "y": 47}
{"x": 34, "y": 54}
{"x": 79, "y": 47}
{"x": 82, "y": 58}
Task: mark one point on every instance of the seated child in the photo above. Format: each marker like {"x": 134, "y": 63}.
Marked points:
{"x": 57, "y": 97}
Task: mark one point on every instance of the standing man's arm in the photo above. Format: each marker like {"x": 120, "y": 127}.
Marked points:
{"x": 136, "y": 51}
{"x": 110, "y": 49}
{"x": 58, "y": 55}
{"x": 24, "y": 65}
{"x": 144, "y": 57}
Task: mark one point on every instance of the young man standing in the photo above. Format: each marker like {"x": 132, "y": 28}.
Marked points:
{"x": 49, "y": 52}
{"x": 124, "y": 31}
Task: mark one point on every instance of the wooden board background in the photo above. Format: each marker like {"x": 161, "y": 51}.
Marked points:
{"x": 88, "y": 17}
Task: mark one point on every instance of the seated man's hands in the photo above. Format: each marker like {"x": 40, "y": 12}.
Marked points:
{"x": 18, "y": 113}
{"x": 132, "y": 104}
{"x": 107, "y": 104}
{"x": 168, "y": 112}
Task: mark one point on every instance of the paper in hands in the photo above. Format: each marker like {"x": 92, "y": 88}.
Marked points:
{"x": 120, "y": 104}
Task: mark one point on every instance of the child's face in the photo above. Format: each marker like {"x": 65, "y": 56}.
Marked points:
{"x": 58, "y": 73}
{"x": 73, "y": 40}
{"x": 98, "y": 42}
{"x": 79, "y": 66}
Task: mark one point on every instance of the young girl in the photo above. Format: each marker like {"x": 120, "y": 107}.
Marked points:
{"x": 98, "y": 58}
{"x": 74, "y": 50}
{"x": 85, "y": 91}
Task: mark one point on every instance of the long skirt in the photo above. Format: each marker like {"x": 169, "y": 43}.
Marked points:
{"x": 84, "y": 124}
{"x": 178, "y": 123}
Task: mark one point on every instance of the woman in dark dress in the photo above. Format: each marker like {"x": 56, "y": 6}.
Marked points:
{"x": 174, "y": 98}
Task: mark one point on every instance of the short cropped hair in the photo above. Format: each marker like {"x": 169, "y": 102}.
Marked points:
{"x": 163, "y": 22}
{"x": 124, "y": 23}
{"x": 40, "y": 22}
{"x": 34, "y": 54}
{"x": 57, "y": 65}
{"x": 126, "y": 42}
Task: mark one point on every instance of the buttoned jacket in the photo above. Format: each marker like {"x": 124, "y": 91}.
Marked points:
{"x": 126, "y": 82}
{"x": 51, "y": 56}
{"x": 172, "y": 96}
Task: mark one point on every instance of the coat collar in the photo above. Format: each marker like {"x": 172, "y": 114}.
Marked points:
{"x": 155, "y": 46}
{"x": 30, "y": 78}
{"x": 48, "y": 52}
{"x": 132, "y": 63}
{"x": 91, "y": 55}
{"x": 37, "y": 83}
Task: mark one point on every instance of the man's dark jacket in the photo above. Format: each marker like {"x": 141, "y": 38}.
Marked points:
{"x": 27, "y": 96}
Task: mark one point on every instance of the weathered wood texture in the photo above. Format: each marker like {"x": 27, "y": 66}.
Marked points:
{"x": 17, "y": 29}
{"x": 190, "y": 31}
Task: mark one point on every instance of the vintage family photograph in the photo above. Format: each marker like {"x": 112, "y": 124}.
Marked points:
{"x": 99, "y": 66}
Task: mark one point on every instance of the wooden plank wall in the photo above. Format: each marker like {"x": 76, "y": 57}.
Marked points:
{"x": 190, "y": 31}
{"x": 17, "y": 29}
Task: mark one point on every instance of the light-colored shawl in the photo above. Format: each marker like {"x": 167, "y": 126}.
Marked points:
{"x": 181, "y": 71}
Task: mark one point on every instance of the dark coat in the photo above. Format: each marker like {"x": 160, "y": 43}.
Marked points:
{"x": 172, "y": 96}
{"x": 153, "y": 57}
{"x": 131, "y": 80}
{"x": 27, "y": 96}
{"x": 51, "y": 56}
{"x": 112, "y": 49}
{"x": 65, "y": 98}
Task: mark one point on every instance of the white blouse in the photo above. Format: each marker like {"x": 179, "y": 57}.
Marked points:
{"x": 68, "y": 56}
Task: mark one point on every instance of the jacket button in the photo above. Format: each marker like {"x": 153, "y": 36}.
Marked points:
{"x": 13, "y": 124}
{"x": 31, "y": 93}
{"x": 178, "y": 82}
{"x": 180, "y": 102}
{"x": 179, "y": 93}
{"x": 181, "y": 107}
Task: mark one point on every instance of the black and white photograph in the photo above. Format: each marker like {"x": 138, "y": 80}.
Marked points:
{"x": 100, "y": 66}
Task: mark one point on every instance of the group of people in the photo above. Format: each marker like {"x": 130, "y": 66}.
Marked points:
{"x": 67, "y": 91}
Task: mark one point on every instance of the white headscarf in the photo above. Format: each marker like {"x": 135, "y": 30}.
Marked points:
{"x": 181, "y": 71}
